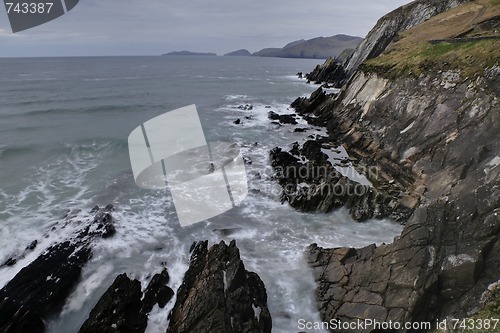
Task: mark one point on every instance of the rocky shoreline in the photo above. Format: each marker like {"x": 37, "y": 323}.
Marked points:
{"x": 217, "y": 294}
{"x": 423, "y": 150}
{"x": 436, "y": 137}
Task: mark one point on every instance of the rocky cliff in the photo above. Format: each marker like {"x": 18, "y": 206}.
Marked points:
{"x": 381, "y": 36}
{"x": 428, "y": 117}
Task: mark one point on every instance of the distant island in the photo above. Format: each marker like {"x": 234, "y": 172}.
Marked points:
{"x": 338, "y": 46}
{"x": 242, "y": 52}
{"x": 188, "y": 53}
{"x": 316, "y": 48}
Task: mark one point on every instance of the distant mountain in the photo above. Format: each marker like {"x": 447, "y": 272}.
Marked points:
{"x": 316, "y": 48}
{"x": 188, "y": 53}
{"x": 242, "y": 52}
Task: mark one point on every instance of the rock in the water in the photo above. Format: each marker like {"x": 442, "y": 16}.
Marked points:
{"x": 284, "y": 119}
{"x": 317, "y": 186}
{"x": 118, "y": 310}
{"x": 124, "y": 307}
{"x": 157, "y": 292}
{"x": 41, "y": 288}
{"x": 219, "y": 295}
{"x": 16, "y": 318}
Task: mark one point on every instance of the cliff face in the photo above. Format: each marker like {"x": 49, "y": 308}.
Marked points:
{"x": 437, "y": 134}
{"x": 445, "y": 131}
{"x": 388, "y": 27}
{"x": 381, "y": 36}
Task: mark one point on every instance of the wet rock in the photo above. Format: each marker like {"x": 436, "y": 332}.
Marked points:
{"x": 329, "y": 72}
{"x": 41, "y": 288}
{"x": 119, "y": 309}
{"x": 10, "y": 262}
{"x": 317, "y": 186}
{"x": 17, "y": 318}
{"x": 157, "y": 292}
{"x": 246, "y": 107}
{"x": 32, "y": 245}
{"x": 228, "y": 231}
{"x": 124, "y": 307}
{"x": 237, "y": 121}
{"x": 304, "y": 105}
{"x": 219, "y": 295}
{"x": 283, "y": 119}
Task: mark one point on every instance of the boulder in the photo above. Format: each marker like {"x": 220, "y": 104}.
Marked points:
{"x": 219, "y": 295}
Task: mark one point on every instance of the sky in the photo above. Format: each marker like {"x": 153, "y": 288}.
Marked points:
{"x": 153, "y": 27}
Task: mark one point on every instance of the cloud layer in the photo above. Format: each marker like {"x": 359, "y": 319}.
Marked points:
{"x": 135, "y": 27}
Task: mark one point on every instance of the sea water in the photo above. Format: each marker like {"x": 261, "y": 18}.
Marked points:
{"x": 64, "y": 124}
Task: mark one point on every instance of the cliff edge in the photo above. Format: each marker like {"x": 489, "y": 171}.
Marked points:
{"x": 426, "y": 114}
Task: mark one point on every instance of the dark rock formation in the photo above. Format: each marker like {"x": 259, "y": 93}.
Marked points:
{"x": 119, "y": 309}
{"x": 331, "y": 72}
{"x": 17, "y": 318}
{"x": 124, "y": 308}
{"x": 246, "y": 107}
{"x": 284, "y": 118}
{"x": 317, "y": 186}
{"x": 219, "y": 295}
{"x": 41, "y": 288}
{"x": 157, "y": 292}
{"x": 304, "y": 105}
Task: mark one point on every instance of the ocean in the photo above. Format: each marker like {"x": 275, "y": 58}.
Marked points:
{"x": 64, "y": 124}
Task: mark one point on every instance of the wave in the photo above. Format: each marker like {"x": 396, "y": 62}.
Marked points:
{"x": 83, "y": 110}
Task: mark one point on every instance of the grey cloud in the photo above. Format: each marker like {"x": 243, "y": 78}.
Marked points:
{"x": 130, "y": 27}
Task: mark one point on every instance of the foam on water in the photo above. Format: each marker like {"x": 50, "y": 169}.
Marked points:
{"x": 77, "y": 175}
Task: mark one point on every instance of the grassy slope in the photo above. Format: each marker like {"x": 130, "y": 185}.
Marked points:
{"x": 412, "y": 54}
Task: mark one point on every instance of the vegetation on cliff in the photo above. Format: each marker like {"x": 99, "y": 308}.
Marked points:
{"x": 466, "y": 38}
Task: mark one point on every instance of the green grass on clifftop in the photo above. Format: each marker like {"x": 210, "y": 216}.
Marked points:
{"x": 469, "y": 57}
{"x": 413, "y": 54}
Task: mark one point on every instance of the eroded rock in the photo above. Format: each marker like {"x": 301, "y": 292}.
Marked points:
{"x": 219, "y": 295}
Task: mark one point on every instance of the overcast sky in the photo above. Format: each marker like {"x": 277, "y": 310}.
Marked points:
{"x": 139, "y": 27}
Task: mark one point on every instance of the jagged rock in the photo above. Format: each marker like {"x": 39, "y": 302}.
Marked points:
{"x": 17, "y": 318}
{"x": 317, "y": 186}
{"x": 124, "y": 308}
{"x": 284, "y": 119}
{"x": 41, "y": 288}
{"x": 157, "y": 292}
{"x": 304, "y": 105}
{"x": 219, "y": 295}
{"x": 246, "y": 107}
{"x": 119, "y": 309}
{"x": 329, "y": 72}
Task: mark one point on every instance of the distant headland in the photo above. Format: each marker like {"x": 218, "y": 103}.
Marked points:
{"x": 188, "y": 53}
{"x": 315, "y": 48}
